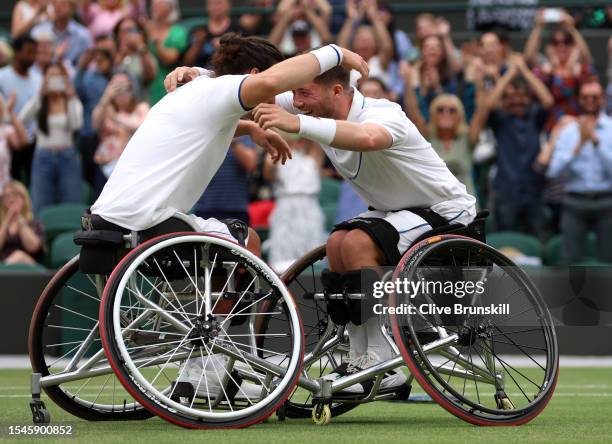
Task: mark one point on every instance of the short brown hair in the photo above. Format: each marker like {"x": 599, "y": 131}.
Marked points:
{"x": 238, "y": 55}
{"x": 335, "y": 75}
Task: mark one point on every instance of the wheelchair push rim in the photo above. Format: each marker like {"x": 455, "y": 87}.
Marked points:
{"x": 181, "y": 328}
{"x": 471, "y": 339}
{"x": 68, "y": 306}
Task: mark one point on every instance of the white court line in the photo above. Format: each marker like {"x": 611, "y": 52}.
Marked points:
{"x": 555, "y": 395}
{"x": 565, "y": 361}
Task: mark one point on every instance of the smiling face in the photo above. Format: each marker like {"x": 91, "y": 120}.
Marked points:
{"x": 314, "y": 99}
{"x": 591, "y": 98}
{"x": 447, "y": 114}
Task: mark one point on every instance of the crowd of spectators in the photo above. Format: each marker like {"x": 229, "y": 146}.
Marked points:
{"x": 524, "y": 128}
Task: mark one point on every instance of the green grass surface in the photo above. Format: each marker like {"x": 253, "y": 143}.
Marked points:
{"x": 580, "y": 411}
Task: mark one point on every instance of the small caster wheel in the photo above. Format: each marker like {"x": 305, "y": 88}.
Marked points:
{"x": 507, "y": 404}
{"x": 321, "y": 414}
{"x": 281, "y": 412}
{"x": 503, "y": 402}
{"x": 40, "y": 414}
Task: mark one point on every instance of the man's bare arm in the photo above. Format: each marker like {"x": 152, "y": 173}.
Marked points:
{"x": 348, "y": 136}
{"x": 291, "y": 74}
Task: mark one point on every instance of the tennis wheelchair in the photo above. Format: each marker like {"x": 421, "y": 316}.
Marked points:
{"x": 197, "y": 330}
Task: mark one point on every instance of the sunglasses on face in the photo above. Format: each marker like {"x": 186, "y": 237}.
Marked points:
{"x": 590, "y": 97}
{"x": 559, "y": 42}
{"x": 446, "y": 109}
{"x": 132, "y": 29}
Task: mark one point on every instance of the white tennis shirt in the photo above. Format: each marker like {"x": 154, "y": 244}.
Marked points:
{"x": 174, "y": 154}
{"x": 406, "y": 175}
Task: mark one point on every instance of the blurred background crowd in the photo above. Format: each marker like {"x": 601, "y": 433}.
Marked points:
{"x": 514, "y": 101}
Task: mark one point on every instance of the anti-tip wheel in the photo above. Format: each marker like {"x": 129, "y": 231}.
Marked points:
{"x": 40, "y": 414}
{"x": 321, "y": 415}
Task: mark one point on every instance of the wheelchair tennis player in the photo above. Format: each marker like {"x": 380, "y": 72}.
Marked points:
{"x": 174, "y": 154}
{"x": 409, "y": 189}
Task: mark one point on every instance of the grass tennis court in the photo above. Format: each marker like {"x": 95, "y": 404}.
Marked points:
{"x": 581, "y": 410}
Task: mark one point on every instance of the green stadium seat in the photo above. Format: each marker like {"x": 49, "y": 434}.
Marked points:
{"x": 553, "y": 251}
{"x": 63, "y": 249}
{"x": 193, "y": 22}
{"x": 526, "y": 244}
{"x": 328, "y": 199}
{"x": 61, "y": 218}
{"x": 21, "y": 268}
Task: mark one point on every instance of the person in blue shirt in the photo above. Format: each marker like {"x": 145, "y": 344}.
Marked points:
{"x": 72, "y": 38}
{"x": 18, "y": 78}
{"x": 583, "y": 156}
{"x": 227, "y": 194}
{"x": 517, "y": 125}
{"x": 90, "y": 85}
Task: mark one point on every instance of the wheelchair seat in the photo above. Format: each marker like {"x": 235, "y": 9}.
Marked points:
{"x": 474, "y": 230}
{"x": 104, "y": 244}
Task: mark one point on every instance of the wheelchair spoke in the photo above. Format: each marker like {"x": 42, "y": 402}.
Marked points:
{"x": 76, "y": 290}
{"x": 231, "y": 314}
{"x": 209, "y": 352}
{"x": 243, "y": 357}
{"x": 146, "y": 301}
{"x": 229, "y": 278}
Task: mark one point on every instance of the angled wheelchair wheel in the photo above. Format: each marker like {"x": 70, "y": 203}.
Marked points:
{"x": 485, "y": 351}
{"x": 64, "y": 344}
{"x": 302, "y": 280}
{"x": 178, "y": 321}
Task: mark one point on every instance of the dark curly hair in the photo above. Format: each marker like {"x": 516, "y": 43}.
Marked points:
{"x": 238, "y": 55}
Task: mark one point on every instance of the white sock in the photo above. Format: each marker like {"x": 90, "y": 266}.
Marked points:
{"x": 376, "y": 341}
{"x": 358, "y": 339}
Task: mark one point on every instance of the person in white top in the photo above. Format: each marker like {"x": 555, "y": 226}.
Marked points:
{"x": 373, "y": 145}
{"x": 171, "y": 158}
{"x": 174, "y": 154}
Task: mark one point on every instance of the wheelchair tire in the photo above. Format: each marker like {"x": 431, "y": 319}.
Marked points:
{"x": 430, "y": 342}
{"x": 200, "y": 332}
{"x": 304, "y": 268}
{"x": 60, "y": 307}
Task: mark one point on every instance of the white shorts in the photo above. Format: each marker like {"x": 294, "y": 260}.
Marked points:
{"x": 410, "y": 226}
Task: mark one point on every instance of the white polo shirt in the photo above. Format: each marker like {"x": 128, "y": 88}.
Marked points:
{"x": 172, "y": 157}
{"x": 408, "y": 174}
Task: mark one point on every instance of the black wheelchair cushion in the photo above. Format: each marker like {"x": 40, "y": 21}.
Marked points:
{"x": 382, "y": 233}
{"x": 95, "y": 238}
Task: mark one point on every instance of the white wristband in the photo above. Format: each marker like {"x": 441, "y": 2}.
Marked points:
{"x": 319, "y": 130}
{"x": 328, "y": 56}
{"x": 203, "y": 72}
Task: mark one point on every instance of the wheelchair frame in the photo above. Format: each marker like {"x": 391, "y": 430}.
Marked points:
{"x": 323, "y": 392}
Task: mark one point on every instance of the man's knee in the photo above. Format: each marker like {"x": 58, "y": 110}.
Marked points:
{"x": 358, "y": 250}
{"x": 334, "y": 248}
{"x": 254, "y": 243}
